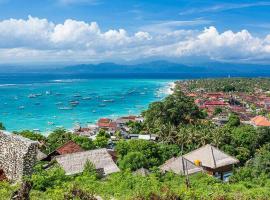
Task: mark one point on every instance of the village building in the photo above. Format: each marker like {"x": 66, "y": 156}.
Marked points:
{"x": 142, "y": 172}
{"x": 86, "y": 131}
{"x": 67, "y": 148}
{"x": 260, "y": 121}
{"x": 213, "y": 161}
{"x": 107, "y": 124}
{"x": 181, "y": 166}
{"x": 18, "y": 155}
{"x": 74, "y": 163}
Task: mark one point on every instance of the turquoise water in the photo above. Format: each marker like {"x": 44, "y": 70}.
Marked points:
{"x": 51, "y": 103}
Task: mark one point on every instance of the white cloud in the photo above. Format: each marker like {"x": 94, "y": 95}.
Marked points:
{"x": 223, "y": 7}
{"x": 37, "y": 39}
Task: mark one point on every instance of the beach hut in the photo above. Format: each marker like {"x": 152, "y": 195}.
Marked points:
{"x": 181, "y": 166}
{"x": 213, "y": 161}
{"x": 74, "y": 163}
{"x": 67, "y": 148}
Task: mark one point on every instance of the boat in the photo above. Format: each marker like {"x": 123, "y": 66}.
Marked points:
{"x": 58, "y": 103}
{"x": 108, "y": 100}
{"x": 77, "y": 95}
{"x": 21, "y": 107}
{"x": 93, "y": 111}
{"x": 74, "y": 103}
{"x": 102, "y": 105}
{"x": 48, "y": 92}
{"x": 86, "y": 98}
{"x": 32, "y": 96}
{"x": 50, "y": 123}
{"x": 65, "y": 108}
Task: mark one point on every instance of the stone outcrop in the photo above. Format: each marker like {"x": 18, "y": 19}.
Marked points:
{"x": 17, "y": 155}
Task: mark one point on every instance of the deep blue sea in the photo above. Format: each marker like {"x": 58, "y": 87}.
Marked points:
{"x": 46, "y": 102}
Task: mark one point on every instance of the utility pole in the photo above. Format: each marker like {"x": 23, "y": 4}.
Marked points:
{"x": 185, "y": 168}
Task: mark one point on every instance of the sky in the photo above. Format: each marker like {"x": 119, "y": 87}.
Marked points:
{"x": 93, "y": 31}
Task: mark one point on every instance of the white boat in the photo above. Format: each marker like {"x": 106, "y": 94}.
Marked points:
{"x": 65, "y": 108}
{"x": 32, "y": 96}
{"x": 77, "y": 95}
{"x": 21, "y": 107}
{"x": 108, "y": 100}
{"x": 86, "y": 98}
{"x": 74, "y": 103}
{"x": 48, "y": 92}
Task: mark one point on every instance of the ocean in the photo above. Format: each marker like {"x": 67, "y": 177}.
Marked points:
{"x": 47, "y": 102}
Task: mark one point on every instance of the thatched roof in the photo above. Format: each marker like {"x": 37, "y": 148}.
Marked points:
{"x": 40, "y": 155}
{"x": 211, "y": 157}
{"x": 180, "y": 165}
{"x": 142, "y": 171}
{"x": 74, "y": 163}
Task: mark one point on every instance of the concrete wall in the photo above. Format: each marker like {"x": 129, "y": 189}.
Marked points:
{"x": 17, "y": 155}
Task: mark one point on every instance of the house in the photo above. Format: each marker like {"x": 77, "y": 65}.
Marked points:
{"x": 220, "y": 120}
{"x": 260, "y": 121}
{"x": 213, "y": 161}
{"x": 86, "y": 131}
{"x": 74, "y": 163}
{"x": 67, "y": 148}
{"x": 215, "y": 103}
{"x": 180, "y": 165}
{"x": 41, "y": 155}
{"x": 142, "y": 172}
{"x": 18, "y": 156}
{"x": 107, "y": 124}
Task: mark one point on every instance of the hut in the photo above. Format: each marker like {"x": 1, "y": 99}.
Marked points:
{"x": 74, "y": 163}
{"x": 213, "y": 161}
{"x": 67, "y": 148}
{"x": 180, "y": 165}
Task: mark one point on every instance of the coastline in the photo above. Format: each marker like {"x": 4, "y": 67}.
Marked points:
{"x": 34, "y": 118}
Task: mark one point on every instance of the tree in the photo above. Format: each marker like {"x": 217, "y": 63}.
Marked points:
{"x": 32, "y": 135}
{"x": 2, "y": 127}
{"x": 234, "y": 120}
{"x": 175, "y": 109}
{"x": 217, "y": 110}
{"x": 133, "y": 161}
{"x": 50, "y": 178}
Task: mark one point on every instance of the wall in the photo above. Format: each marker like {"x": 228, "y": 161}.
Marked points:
{"x": 17, "y": 155}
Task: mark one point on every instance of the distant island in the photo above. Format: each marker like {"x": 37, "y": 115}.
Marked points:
{"x": 214, "y": 69}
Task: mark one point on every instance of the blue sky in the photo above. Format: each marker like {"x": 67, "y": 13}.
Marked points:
{"x": 118, "y": 30}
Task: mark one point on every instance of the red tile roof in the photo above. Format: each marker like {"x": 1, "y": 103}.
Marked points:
{"x": 215, "y": 103}
{"x": 260, "y": 121}
{"x": 69, "y": 147}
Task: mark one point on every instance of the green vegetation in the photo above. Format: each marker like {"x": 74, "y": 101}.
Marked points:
{"x": 56, "y": 139}
{"x": 174, "y": 110}
{"x": 230, "y": 84}
{"x": 179, "y": 124}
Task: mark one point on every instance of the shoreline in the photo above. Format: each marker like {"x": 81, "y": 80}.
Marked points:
{"x": 164, "y": 89}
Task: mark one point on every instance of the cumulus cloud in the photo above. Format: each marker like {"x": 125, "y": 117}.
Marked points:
{"x": 37, "y": 39}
